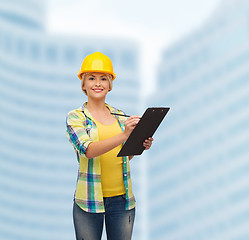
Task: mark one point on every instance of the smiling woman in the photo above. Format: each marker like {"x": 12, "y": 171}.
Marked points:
{"x": 104, "y": 189}
{"x": 96, "y": 69}
{"x": 93, "y": 77}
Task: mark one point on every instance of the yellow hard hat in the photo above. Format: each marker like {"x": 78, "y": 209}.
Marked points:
{"x": 97, "y": 62}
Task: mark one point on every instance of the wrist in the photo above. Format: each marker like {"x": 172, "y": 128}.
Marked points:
{"x": 124, "y": 136}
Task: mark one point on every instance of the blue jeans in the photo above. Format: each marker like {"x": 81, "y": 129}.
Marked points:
{"x": 118, "y": 221}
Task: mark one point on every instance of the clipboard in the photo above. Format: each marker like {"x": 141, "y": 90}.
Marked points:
{"x": 145, "y": 128}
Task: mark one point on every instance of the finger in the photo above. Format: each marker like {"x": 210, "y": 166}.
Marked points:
{"x": 146, "y": 147}
{"x": 133, "y": 118}
{"x": 132, "y": 122}
{"x": 147, "y": 144}
{"x": 148, "y": 141}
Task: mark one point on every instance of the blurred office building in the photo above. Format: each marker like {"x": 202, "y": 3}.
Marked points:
{"x": 198, "y": 167}
{"x": 38, "y": 87}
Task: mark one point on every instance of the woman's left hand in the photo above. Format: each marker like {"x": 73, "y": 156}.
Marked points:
{"x": 147, "y": 143}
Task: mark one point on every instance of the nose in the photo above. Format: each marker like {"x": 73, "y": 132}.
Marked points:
{"x": 97, "y": 83}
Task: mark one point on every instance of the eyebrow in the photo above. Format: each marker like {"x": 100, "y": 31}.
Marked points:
{"x": 95, "y": 76}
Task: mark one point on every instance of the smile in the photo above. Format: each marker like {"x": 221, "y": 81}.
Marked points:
{"x": 97, "y": 90}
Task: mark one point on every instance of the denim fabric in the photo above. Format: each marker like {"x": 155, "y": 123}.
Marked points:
{"x": 118, "y": 221}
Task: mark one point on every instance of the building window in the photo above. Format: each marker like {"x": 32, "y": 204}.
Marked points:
{"x": 70, "y": 56}
{"x": 20, "y": 47}
{"x": 128, "y": 60}
{"x": 7, "y": 42}
{"x": 51, "y": 53}
{"x": 35, "y": 50}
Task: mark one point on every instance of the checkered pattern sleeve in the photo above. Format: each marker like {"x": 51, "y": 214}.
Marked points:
{"x": 76, "y": 132}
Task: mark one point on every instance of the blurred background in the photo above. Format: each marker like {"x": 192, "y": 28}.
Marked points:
{"x": 192, "y": 56}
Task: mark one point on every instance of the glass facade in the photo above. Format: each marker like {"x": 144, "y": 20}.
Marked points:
{"x": 38, "y": 87}
{"x": 198, "y": 167}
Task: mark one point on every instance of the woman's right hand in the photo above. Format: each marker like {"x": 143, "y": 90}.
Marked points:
{"x": 130, "y": 124}
{"x": 98, "y": 148}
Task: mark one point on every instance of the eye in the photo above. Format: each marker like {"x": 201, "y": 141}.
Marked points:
{"x": 103, "y": 79}
{"x": 91, "y": 78}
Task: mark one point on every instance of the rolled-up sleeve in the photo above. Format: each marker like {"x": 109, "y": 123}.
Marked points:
{"x": 76, "y": 132}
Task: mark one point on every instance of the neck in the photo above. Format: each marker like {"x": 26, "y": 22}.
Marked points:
{"x": 96, "y": 105}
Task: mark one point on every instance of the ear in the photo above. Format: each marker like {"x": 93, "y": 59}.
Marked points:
{"x": 82, "y": 86}
{"x": 83, "y": 89}
{"x": 109, "y": 87}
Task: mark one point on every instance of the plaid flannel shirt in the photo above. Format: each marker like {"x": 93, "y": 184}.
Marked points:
{"x": 81, "y": 131}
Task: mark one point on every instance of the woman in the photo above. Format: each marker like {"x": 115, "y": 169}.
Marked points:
{"x": 104, "y": 189}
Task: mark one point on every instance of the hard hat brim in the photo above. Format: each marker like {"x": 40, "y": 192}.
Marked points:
{"x": 80, "y": 73}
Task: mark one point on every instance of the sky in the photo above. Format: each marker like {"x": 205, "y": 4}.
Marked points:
{"x": 155, "y": 25}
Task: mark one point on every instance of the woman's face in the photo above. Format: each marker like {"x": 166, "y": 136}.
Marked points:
{"x": 96, "y": 85}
